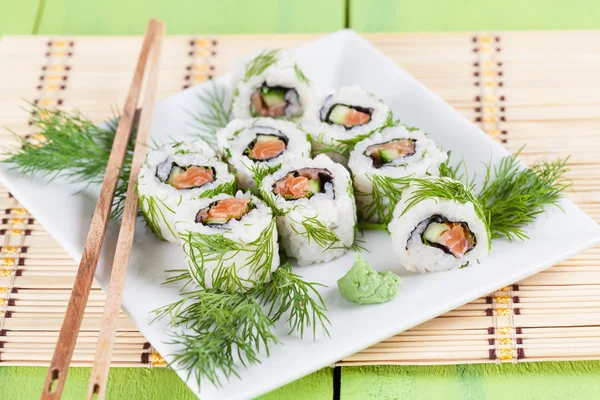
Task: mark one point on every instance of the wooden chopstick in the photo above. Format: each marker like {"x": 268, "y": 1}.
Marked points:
{"x": 106, "y": 340}
{"x": 59, "y": 367}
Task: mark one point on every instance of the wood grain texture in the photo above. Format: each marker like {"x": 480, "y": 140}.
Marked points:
{"x": 192, "y": 16}
{"x": 106, "y": 340}
{"x": 472, "y": 15}
{"x": 58, "y": 370}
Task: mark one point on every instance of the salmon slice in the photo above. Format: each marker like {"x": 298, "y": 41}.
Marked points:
{"x": 404, "y": 146}
{"x": 456, "y": 240}
{"x": 229, "y": 208}
{"x": 267, "y": 150}
{"x": 263, "y": 109}
{"x": 193, "y": 177}
{"x": 296, "y": 186}
{"x": 355, "y": 117}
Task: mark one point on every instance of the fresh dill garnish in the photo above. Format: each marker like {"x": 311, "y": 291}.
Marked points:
{"x": 223, "y": 328}
{"x": 339, "y": 146}
{"x": 225, "y": 187}
{"x": 154, "y": 211}
{"x": 213, "y": 113}
{"x": 300, "y": 75}
{"x": 219, "y": 250}
{"x": 345, "y": 146}
{"x": 385, "y": 193}
{"x": 318, "y": 232}
{"x": 260, "y": 171}
{"x": 287, "y": 293}
{"x": 514, "y": 195}
{"x": 369, "y": 226}
{"x": 455, "y": 172}
{"x": 73, "y": 148}
{"x": 260, "y": 63}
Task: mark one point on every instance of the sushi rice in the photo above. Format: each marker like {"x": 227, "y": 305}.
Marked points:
{"x": 439, "y": 225}
{"x": 232, "y": 255}
{"x": 337, "y": 120}
{"x": 377, "y": 167}
{"x": 271, "y": 84}
{"x": 236, "y": 140}
{"x": 160, "y": 199}
{"x": 320, "y": 226}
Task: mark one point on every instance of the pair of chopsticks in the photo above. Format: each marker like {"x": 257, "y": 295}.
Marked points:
{"x": 57, "y": 373}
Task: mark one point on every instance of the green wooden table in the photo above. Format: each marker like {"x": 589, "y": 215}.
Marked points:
{"x": 564, "y": 380}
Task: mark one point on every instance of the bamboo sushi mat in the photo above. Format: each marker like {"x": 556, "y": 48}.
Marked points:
{"x": 536, "y": 88}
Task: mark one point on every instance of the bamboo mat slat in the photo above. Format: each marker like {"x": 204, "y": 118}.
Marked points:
{"x": 534, "y": 88}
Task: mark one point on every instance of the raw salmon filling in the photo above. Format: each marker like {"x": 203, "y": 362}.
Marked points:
{"x": 346, "y": 115}
{"x": 390, "y": 152}
{"x": 188, "y": 177}
{"x": 303, "y": 183}
{"x": 452, "y": 237}
{"x": 274, "y": 102}
{"x": 266, "y": 147}
{"x": 222, "y": 211}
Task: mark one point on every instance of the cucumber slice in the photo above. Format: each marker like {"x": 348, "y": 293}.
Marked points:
{"x": 388, "y": 155}
{"x": 314, "y": 186}
{"x": 216, "y": 221}
{"x": 274, "y": 97}
{"x": 338, "y": 113}
{"x": 175, "y": 172}
{"x": 266, "y": 138}
{"x": 434, "y": 231}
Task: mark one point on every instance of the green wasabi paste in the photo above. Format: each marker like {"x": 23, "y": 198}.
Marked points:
{"x": 363, "y": 285}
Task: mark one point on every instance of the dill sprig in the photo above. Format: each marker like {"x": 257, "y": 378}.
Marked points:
{"x": 300, "y": 75}
{"x": 225, "y": 187}
{"x": 214, "y": 113}
{"x": 260, "y": 63}
{"x": 288, "y": 294}
{"x": 514, "y": 195}
{"x": 73, "y": 148}
{"x": 224, "y": 328}
{"x": 339, "y": 146}
{"x": 345, "y": 146}
{"x": 385, "y": 194}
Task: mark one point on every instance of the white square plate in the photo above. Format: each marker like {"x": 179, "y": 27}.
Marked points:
{"x": 342, "y": 58}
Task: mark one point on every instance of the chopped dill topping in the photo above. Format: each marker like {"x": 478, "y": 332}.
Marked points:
{"x": 260, "y": 63}
{"x": 300, "y": 75}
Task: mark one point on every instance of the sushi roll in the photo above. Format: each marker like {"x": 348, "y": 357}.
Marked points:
{"x": 314, "y": 204}
{"x": 230, "y": 243}
{"x": 379, "y": 163}
{"x": 439, "y": 225}
{"x": 271, "y": 84}
{"x": 260, "y": 145}
{"x": 340, "y": 119}
{"x": 176, "y": 174}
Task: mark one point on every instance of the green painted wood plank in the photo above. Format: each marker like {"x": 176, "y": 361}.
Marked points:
{"x": 146, "y": 384}
{"x": 100, "y": 17}
{"x": 18, "y": 17}
{"x": 527, "y": 381}
{"x": 472, "y": 15}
